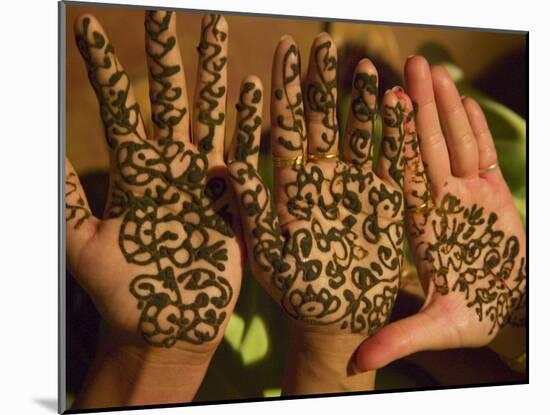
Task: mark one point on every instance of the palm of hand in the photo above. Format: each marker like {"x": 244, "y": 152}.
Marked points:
{"x": 468, "y": 249}
{"x": 175, "y": 226}
{"x": 169, "y": 237}
{"x": 343, "y": 248}
{"x": 335, "y": 260}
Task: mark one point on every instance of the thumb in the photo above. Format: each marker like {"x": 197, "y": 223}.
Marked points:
{"x": 258, "y": 218}
{"x": 419, "y": 332}
{"x": 80, "y": 225}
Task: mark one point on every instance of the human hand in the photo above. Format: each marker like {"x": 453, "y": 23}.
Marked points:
{"x": 463, "y": 227}
{"x": 330, "y": 251}
{"x": 165, "y": 263}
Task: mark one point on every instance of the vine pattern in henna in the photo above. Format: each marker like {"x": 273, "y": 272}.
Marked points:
{"x": 295, "y": 135}
{"x": 418, "y": 181}
{"x": 321, "y": 94}
{"x": 490, "y": 271}
{"x": 212, "y": 90}
{"x": 174, "y": 222}
{"x": 360, "y": 139}
{"x": 338, "y": 262}
{"x": 165, "y": 95}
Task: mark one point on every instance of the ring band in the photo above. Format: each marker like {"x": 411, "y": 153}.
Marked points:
{"x": 281, "y": 162}
{"x": 488, "y": 169}
{"x": 321, "y": 156}
{"x": 424, "y": 207}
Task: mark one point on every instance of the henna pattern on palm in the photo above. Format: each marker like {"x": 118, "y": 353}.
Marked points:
{"x": 336, "y": 261}
{"x": 464, "y": 249}
{"x": 485, "y": 264}
{"x": 175, "y": 218}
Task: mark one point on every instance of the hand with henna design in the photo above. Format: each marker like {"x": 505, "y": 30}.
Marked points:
{"x": 164, "y": 266}
{"x": 462, "y": 225}
{"x": 330, "y": 249}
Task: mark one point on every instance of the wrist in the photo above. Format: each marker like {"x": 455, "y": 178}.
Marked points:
{"x": 134, "y": 352}
{"x": 341, "y": 346}
{"x": 511, "y": 343}
{"x": 323, "y": 362}
{"x": 126, "y": 372}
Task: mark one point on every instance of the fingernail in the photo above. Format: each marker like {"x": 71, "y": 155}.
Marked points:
{"x": 463, "y": 97}
{"x": 397, "y": 89}
{"x": 410, "y": 56}
{"x": 286, "y": 36}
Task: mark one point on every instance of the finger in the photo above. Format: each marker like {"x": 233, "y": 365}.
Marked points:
{"x": 415, "y": 184}
{"x": 433, "y": 148}
{"x": 287, "y": 112}
{"x": 118, "y": 107}
{"x": 487, "y": 153}
{"x": 360, "y": 124}
{"x": 320, "y": 97}
{"x": 211, "y": 88}
{"x": 402, "y": 338}
{"x": 391, "y": 162}
{"x": 167, "y": 88}
{"x": 245, "y": 145}
{"x": 260, "y": 225}
{"x": 80, "y": 223}
{"x": 461, "y": 142}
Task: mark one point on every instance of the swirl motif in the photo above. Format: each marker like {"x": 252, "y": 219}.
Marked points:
{"x": 175, "y": 219}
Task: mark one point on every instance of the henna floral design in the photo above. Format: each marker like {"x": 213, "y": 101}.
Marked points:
{"x": 175, "y": 218}
{"x": 336, "y": 261}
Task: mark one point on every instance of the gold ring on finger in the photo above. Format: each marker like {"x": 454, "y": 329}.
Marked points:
{"x": 282, "y": 162}
{"x": 424, "y": 207}
{"x": 321, "y": 156}
{"x": 488, "y": 169}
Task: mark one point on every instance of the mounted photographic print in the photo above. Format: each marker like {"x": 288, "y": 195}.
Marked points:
{"x": 267, "y": 207}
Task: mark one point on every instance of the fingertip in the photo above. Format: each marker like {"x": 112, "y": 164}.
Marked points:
{"x": 390, "y": 98}
{"x": 367, "y": 356}
{"x": 222, "y": 24}
{"x": 284, "y": 42}
{"x": 219, "y": 21}
{"x": 365, "y": 65}
{"x": 404, "y": 99}
{"x": 81, "y": 21}
{"x": 417, "y": 68}
{"x": 476, "y": 116}
{"x": 322, "y": 38}
{"x": 250, "y": 82}
{"x": 471, "y": 106}
{"x": 441, "y": 77}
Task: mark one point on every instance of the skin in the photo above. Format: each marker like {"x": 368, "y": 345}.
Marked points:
{"x": 328, "y": 248}
{"x": 469, "y": 245}
{"x": 164, "y": 265}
